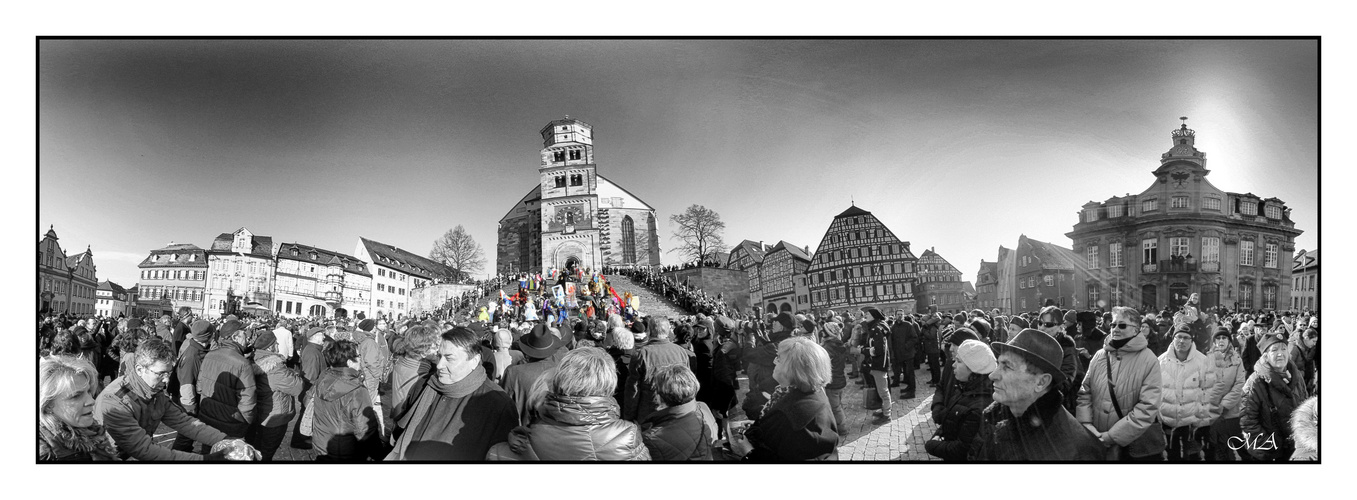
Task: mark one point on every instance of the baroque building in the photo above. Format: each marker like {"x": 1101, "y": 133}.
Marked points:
{"x": 860, "y": 262}
{"x": 310, "y": 281}
{"x": 1305, "y": 281}
{"x": 575, "y": 217}
{"x": 1183, "y": 235}
{"x": 395, "y": 274}
{"x": 175, "y": 275}
{"x": 240, "y": 272}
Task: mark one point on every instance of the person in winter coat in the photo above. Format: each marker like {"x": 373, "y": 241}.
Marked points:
{"x": 1226, "y": 381}
{"x": 950, "y": 390}
{"x": 929, "y": 340}
{"x": 278, "y": 388}
{"x": 659, "y": 352}
{"x": 904, "y": 341}
{"x": 376, "y": 356}
{"x": 682, "y": 428}
{"x": 1027, "y": 421}
{"x": 954, "y": 440}
{"x": 190, "y": 362}
{"x": 539, "y": 348}
{"x": 1271, "y": 394}
{"x": 1305, "y": 430}
{"x": 415, "y": 357}
{"x": 1052, "y": 322}
{"x": 1183, "y": 409}
{"x": 761, "y": 361}
{"x": 1126, "y": 422}
{"x": 226, "y": 383}
{"x": 67, "y": 430}
{"x": 345, "y": 426}
{"x": 834, "y": 345}
{"x": 725, "y": 362}
{"x": 877, "y": 360}
{"x": 620, "y": 344}
{"x": 1303, "y": 348}
{"x": 312, "y": 360}
{"x": 797, "y": 424}
{"x": 1252, "y": 333}
{"x": 579, "y": 420}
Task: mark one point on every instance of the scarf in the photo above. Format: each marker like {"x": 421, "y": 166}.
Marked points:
{"x": 66, "y": 441}
{"x": 1118, "y": 343}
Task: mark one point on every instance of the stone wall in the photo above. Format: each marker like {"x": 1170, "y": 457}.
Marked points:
{"x": 733, "y": 284}
{"x": 430, "y": 298}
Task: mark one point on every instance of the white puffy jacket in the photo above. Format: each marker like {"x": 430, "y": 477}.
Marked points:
{"x": 1184, "y": 389}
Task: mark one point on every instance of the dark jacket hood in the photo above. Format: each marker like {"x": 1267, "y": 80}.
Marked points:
{"x": 339, "y": 382}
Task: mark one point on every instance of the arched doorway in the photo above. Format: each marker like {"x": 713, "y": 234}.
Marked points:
{"x": 1148, "y": 297}
{"x": 772, "y": 308}
{"x": 572, "y": 262}
{"x": 316, "y": 310}
{"x": 628, "y": 240}
{"x": 1210, "y": 296}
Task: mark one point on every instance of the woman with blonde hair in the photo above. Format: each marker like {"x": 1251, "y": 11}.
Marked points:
{"x": 797, "y": 423}
{"x": 67, "y": 431}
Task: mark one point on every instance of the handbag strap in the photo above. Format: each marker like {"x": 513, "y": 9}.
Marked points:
{"x": 1110, "y": 388}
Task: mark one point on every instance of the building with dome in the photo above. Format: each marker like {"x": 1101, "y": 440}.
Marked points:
{"x": 1183, "y": 235}
{"x": 575, "y": 217}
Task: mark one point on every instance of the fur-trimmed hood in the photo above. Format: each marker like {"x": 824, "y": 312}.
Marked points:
{"x": 1305, "y": 428}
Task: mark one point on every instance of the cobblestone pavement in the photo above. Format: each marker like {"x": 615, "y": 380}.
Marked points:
{"x": 900, "y": 440}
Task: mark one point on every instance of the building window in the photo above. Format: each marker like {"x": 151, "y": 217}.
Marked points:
{"x": 1180, "y": 202}
{"x": 576, "y": 180}
{"x": 1114, "y": 254}
{"x": 558, "y": 156}
{"x": 1091, "y": 215}
{"x": 1269, "y": 296}
{"x": 1149, "y": 205}
{"x": 381, "y": 303}
{"x": 1272, "y": 211}
{"x": 1248, "y": 207}
{"x": 1049, "y": 280}
{"x": 560, "y": 181}
{"x": 1093, "y": 257}
{"x": 1149, "y": 251}
{"x": 1245, "y": 253}
{"x": 1114, "y": 211}
{"x": 1178, "y": 247}
{"x": 1211, "y": 203}
{"x": 1092, "y": 295}
{"x": 1210, "y": 249}
{"x": 1270, "y": 255}
{"x": 575, "y": 154}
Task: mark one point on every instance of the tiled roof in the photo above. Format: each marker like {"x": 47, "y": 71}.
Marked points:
{"x": 753, "y": 248}
{"x": 260, "y": 246}
{"x": 793, "y": 249}
{"x": 188, "y": 256}
{"x": 394, "y": 258}
{"x": 853, "y": 210}
{"x": 1306, "y": 260}
{"x": 111, "y": 286}
{"x": 1054, "y": 256}
{"x": 327, "y": 257}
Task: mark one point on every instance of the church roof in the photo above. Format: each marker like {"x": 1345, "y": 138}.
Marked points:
{"x": 606, "y": 182}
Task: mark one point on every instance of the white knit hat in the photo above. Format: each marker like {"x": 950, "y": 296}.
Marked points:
{"x": 977, "y": 357}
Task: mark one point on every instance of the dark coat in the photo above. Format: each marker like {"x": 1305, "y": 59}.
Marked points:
{"x": 226, "y": 386}
{"x": 877, "y": 353}
{"x": 343, "y": 407}
{"x": 680, "y": 433}
{"x": 1045, "y": 432}
{"x": 929, "y": 334}
{"x": 191, "y": 355}
{"x": 904, "y": 339}
{"x": 518, "y": 380}
{"x": 760, "y": 360}
{"x": 639, "y": 399}
{"x": 961, "y": 418}
{"x": 838, "y": 354}
{"x": 1270, "y": 397}
{"x": 459, "y": 421}
{"x": 800, "y": 426}
{"x": 278, "y": 388}
{"x": 585, "y": 429}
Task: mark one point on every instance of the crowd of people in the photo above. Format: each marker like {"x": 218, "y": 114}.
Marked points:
{"x": 543, "y": 375}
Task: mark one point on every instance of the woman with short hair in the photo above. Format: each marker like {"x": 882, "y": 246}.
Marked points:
{"x": 578, "y": 418}
{"x": 681, "y": 428}
{"x": 797, "y": 422}
{"x": 414, "y": 361}
{"x": 67, "y": 431}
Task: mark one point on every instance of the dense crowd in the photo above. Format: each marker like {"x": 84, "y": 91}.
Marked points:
{"x": 546, "y": 375}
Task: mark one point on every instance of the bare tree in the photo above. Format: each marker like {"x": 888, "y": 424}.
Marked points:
{"x": 456, "y": 249}
{"x": 700, "y": 231}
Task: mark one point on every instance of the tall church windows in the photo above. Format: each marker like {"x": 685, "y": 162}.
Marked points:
{"x": 628, "y": 240}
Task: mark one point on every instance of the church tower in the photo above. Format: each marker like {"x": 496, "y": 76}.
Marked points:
{"x": 569, "y": 196}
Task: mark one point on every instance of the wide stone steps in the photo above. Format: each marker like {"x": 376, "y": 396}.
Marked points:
{"x": 652, "y": 304}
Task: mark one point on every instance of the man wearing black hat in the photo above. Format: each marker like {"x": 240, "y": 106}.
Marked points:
{"x": 226, "y": 382}
{"x": 1027, "y": 421}
{"x": 538, "y": 347}
{"x": 659, "y": 352}
{"x": 190, "y": 361}
{"x": 877, "y": 359}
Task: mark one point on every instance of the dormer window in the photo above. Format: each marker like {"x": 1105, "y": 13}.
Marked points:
{"x": 1248, "y": 207}
{"x": 295, "y": 252}
{"x": 1272, "y": 211}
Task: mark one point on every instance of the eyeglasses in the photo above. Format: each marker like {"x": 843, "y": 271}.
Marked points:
{"x": 1121, "y": 326}
{"x": 159, "y": 374}
{"x": 1049, "y": 325}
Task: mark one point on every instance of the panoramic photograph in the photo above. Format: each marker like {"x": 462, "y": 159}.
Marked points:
{"x": 569, "y": 250}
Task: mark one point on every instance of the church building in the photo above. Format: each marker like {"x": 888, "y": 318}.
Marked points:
{"x": 575, "y": 217}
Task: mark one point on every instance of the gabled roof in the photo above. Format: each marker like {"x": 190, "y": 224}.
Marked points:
{"x": 852, "y": 211}
{"x": 112, "y": 287}
{"x": 1306, "y": 259}
{"x": 753, "y": 248}
{"x": 991, "y": 267}
{"x": 1054, "y": 256}
{"x": 260, "y": 246}
{"x": 968, "y": 288}
{"x": 395, "y": 258}
{"x": 325, "y": 257}
{"x": 604, "y": 182}
{"x": 51, "y": 233}
{"x": 796, "y": 251}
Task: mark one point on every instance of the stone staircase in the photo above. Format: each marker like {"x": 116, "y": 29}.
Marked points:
{"x": 652, "y": 304}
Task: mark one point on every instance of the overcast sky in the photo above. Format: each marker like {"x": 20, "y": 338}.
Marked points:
{"x": 956, "y": 145}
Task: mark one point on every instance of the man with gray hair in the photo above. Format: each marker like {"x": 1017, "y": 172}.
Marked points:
{"x": 659, "y": 352}
{"x": 134, "y": 405}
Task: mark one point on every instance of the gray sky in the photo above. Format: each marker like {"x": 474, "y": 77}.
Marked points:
{"x": 957, "y": 145}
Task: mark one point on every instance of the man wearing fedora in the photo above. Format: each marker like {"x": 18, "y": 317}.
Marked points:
{"x": 538, "y": 347}
{"x": 877, "y": 359}
{"x": 1027, "y": 421}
